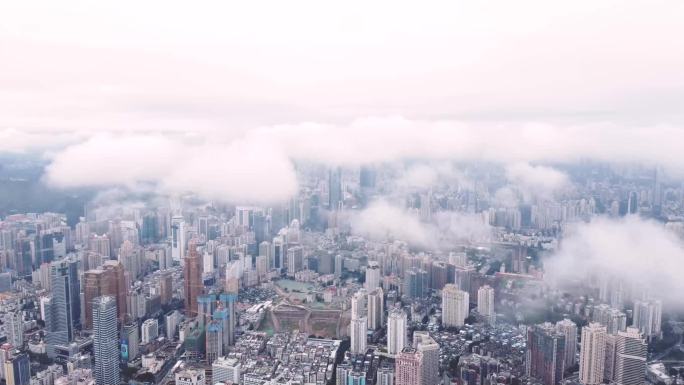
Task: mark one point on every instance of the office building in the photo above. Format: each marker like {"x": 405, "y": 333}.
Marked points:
{"x": 630, "y": 358}
{"x": 65, "y": 304}
{"x": 335, "y": 189}
{"x": 226, "y": 370}
{"x": 192, "y": 274}
{"x": 177, "y": 238}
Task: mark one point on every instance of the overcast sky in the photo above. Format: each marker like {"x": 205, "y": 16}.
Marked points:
{"x": 344, "y": 83}
{"x": 225, "y": 65}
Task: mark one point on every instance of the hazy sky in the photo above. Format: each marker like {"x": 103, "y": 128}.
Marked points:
{"x": 131, "y": 83}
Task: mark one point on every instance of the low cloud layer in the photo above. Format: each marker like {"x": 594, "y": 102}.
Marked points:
{"x": 528, "y": 182}
{"x": 641, "y": 253}
{"x": 383, "y": 221}
{"x": 257, "y": 163}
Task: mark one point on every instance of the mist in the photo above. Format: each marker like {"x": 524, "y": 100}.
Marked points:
{"x": 642, "y": 253}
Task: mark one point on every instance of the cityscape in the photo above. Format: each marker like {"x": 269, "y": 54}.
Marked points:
{"x": 366, "y": 194}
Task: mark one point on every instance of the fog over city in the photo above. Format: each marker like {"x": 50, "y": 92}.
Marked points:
{"x": 382, "y": 193}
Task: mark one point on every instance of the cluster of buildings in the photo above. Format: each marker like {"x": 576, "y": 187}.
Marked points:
{"x": 154, "y": 295}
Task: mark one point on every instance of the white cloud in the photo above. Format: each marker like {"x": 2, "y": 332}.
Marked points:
{"x": 534, "y": 181}
{"x": 230, "y": 172}
{"x": 642, "y": 253}
{"x": 382, "y": 221}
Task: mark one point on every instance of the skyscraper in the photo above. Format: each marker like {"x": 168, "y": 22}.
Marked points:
{"x": 192, "y": 272}
{"x": 592, "y": 354}
{"x": 485, "y": 303}
{"x": 545, "y": 356}
{"x": 630, "y": 360}
{"x": 105, "y": 341}
{"x": 455, "y": 304}
{"x": 408, "y": 368}
{"x": 569, "y": 330}
{"x": 177, "y": 238}
{"x": 335, "y": 189}
{"x": 396, "y": 331}
{"x": 65, "y": 305}
{"x": 358, "y": 328}
{"x": 429, "y": 350}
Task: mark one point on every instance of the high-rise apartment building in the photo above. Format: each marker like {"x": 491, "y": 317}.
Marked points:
{"x": 429, "y": 350}
{"x": 569, "y": 330}
{"x": 372, "y": 276}
{"x": 485, "y": 303}
{"x": 166, "y": 287}
{"x": 149, "y": 330}
{"x": 105, "y": 341}
{"x": 545, "y": 356}
{"x": 396, "y": 331}
{"x": 408, "y": 367}
{"x": 358, "y": 331}
{"x": 455, "y": 305}
{"x": 376, "y": 309}
{"x": 110, "y": 280}
{"x": 647, "y": 317}
{"x": 592, "y": 354}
